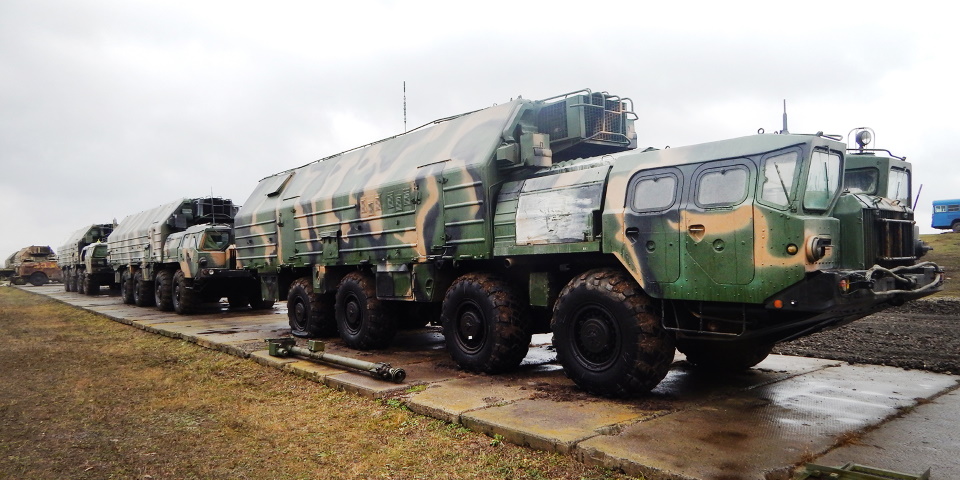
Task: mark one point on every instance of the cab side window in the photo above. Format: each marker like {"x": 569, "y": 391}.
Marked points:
{"x": 722, "y": 187}
{"x": 655, "y": 192}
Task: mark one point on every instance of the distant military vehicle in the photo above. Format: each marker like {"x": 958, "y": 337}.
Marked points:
{"x": 85, "y": 270}
{"x": 534, "y": 216}
{"x": 178, "y": 255}
{"x": 35, "y": 264}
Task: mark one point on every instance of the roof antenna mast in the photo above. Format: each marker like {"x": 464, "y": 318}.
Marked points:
{"x": 785, "y": 131}
{"x": 404, "y": 105}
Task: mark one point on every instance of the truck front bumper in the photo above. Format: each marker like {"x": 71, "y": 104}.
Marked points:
{"x": 831, "y": 298}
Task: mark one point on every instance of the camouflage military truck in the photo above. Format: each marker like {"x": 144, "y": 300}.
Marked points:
{"x": 178, "y": 255}
{"x": 85, "y": 271}
{"x": 34, "y": 264}
{"x": 535, "y": 216}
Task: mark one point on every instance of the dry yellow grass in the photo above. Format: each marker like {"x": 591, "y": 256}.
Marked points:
{"x": 84, "y": 397}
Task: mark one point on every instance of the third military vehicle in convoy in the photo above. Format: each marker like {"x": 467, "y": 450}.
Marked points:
{"x": 535, "y": 216}
{"x": 83, "y": 260}
{"x": 178, "y": 255}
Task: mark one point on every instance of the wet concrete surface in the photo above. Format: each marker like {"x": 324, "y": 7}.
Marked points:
{"x": 758, "y": 424}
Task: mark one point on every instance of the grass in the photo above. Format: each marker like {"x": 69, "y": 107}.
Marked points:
{"x": 946, "y": 253}
{"x": 84, "y": 397}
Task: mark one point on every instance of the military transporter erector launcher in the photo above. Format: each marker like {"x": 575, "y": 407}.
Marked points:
{"x": 179, "y": 255}
{"x": 533, "y": 216}
{"x": 83, "y": 260}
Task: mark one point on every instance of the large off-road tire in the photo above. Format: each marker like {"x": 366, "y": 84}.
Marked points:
{"x": 723, "y": 356}
{"x": 90, "y": 286}
{"x": 310, "y": 314}
{"x": 485, "y": 325}
{"x": 163, "y": 290}
{"x": 184, "y": 299}
{"x": 126, "y": 287}
{"x": 38, "y": 279}
{"x": 142, "y": 290}
{"x": 362, "y": 320}
{"x": 608, "y": 336}
{"x": 66, "y": 281}
{"x": 80, "y": 286}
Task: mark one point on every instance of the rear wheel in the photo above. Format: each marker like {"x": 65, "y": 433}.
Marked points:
{"x": 362, "y": 320}
{"x": 309, "y": 314}
{"x": 66, "y": 281}
{"x": 608, "y": 337}
{"x": 723, "y": 357}
{"x": 163, "y": 290}
{"x": 126, "y": 287}
{"x": 142, "y": 290}
{"x": 956, "y": 226}
{"x": 484, "y": 324}
{"x": 185, "y": 301}
{"x": 38, "y": 279}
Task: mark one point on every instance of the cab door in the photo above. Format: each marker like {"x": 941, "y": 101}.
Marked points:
{"x": 652, "y": 224}
{"x": 717, "y": 224}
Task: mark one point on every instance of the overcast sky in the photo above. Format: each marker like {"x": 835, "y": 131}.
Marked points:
{"x": 111, "y": 107}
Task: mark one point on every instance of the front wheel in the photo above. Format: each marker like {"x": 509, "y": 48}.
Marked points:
{"x": 90, "y": 285}
{"x": 184, "y": 299}
{"x": 38, "y": 279}
{"x": 485, "y": 325}
{"x": 309, "y": 314}
{"x": 81, "y": 285}
{"x": 608, "y": 337}
{"x": 362, "y": 320}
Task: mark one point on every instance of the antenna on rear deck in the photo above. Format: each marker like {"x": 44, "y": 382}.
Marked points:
{"x": 404, "y": 105}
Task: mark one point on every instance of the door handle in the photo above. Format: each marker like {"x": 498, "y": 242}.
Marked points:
{"x": 697, "y": 231}
{"x": 633, "y": 234}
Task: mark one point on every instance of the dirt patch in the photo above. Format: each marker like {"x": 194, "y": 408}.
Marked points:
{"x": 923, "y": 335}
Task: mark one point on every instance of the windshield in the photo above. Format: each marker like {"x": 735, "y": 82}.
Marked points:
{"x": 215, "y": 241}
{"x": 898, "y": 186}
{"x": 100, "y": 251}
{"x": 823, "y": 180}
{"x": 863, "y": 180}
{"x": 778, "y": 178}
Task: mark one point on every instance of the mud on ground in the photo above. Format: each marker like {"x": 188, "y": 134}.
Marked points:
{"x": 923, "y": 334}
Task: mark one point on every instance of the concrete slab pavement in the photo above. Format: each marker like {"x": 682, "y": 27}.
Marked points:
{"x": 757, "y": 424}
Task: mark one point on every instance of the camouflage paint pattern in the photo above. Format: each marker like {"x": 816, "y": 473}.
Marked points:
{"x": 744, "y": 219}
{"x": 192, "y": 250}
{"x": 69, "y": 252}
{"x": 139, "y": 239}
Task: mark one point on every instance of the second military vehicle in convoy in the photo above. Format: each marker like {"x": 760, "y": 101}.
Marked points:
{"x": 536, "y": 216}
{"x": 178, "y": 255}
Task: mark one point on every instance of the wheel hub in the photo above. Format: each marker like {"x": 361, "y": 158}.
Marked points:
{"x": 353, "y": 315}
{"x": 595, "y": 336}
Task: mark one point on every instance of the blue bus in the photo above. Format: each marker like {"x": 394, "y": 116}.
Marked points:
{"x": 946, "y": 214}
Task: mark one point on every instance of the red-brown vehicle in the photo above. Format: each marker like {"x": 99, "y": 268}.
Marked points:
{"x": 35, "y": 264}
